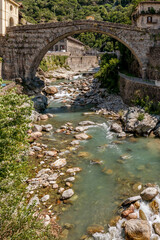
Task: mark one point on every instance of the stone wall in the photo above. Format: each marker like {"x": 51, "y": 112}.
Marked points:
{"x": 82, "y": 63}
{"x": 129, "y": 88}
{"x": 0, "y": 69}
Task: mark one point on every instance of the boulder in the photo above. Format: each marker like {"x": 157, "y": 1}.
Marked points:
{"x": 129, "y": 210}
{"x": 47, "y": 127}
{"x": 53, "y": 177}
{"x": 50, "y": 153}
{"x": 85, "y": 123}
{"x": 37, "y": 128}
{"x": 82, "y": 136}
{"x": 95, "y": 229}
{"x": 40, "y": 102}
{"x": 70, "y": 179}
{"x": 51, "y": 90}
{"x": 131, "y": 200}
{"x": 156, "y": 227}
{"x": 115, "y": 127}
{"x": 36, "y": 135}
{"x": 59, "y": 163}
{"x": 45, "y": 198}
{"x": 136, "y": 229}
{"x": 157, "y": 130}
{"x": 137, "y": 121}
{"x": 67, "y": 193}
{"x": 149, "y": 193}
{"x": 43, "y": 116}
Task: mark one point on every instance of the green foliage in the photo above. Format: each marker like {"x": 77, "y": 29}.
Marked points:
{"x": 108, "y": 73}
{"x": 16, "y": 219}
{"x": 140, "y": 117}
{"x": 1, "y": 59}
{"x": 148, "y": 105}
{"x": 52, "y": 62}
{"x": 14, "y": 119}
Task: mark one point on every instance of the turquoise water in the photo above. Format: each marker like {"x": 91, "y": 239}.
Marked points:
{"x": 100, "y": 188}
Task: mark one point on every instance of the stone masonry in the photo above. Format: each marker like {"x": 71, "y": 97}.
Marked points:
{"x": 23, "y": 47}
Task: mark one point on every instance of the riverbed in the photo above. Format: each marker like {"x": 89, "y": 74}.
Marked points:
{"x": 112, "y": 169}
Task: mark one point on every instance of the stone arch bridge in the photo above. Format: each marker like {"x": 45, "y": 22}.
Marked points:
{"x": 23, "y": 47}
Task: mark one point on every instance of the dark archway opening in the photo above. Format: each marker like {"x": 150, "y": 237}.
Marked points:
{"x": 11, "y": 22}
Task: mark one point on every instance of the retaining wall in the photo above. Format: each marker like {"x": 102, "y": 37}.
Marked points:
{"x": 130, "y": 87}
{"x": 82, "y": 63}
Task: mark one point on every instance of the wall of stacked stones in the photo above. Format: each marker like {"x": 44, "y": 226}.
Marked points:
{"x": 130, "y": 89}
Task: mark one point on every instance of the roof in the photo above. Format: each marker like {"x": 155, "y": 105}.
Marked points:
{"x": 75, "y": 40}
{"x": 15, "y": 3}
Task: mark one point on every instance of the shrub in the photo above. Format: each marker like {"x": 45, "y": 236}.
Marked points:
{"x": 140, "y": 117}
{"x": 108, "y": 73}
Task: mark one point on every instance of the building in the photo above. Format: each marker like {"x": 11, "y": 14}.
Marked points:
{"x": 69, "y": 44}
{"x": 9, "y": 14}
{"x": 147, "y": 15}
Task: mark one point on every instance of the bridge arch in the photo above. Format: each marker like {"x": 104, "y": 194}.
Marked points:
{"x": 27, "y": 45}
{"x": 89, "y": 27}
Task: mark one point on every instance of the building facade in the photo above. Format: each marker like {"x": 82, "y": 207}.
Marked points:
{"x": 9, "y": 15}
{"x": 69, "y": 44}
{"x": 147, "y": 15}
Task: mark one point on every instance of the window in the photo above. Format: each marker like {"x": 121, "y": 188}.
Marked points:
{"x": 11, "y": 22}
{"x": 62, "y": 47}
{"x": 11, "y": 7}
{"x": 56, "y": 48}
{"x": 149, "y": 8}
{"x": 149, "y": 19}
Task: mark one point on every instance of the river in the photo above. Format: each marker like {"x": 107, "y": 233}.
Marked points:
{"x": 111, "y": 167}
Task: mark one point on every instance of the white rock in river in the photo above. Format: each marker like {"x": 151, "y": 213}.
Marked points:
{"x": 73, "y": 170}
{"x": 59, "y": 163}
{"x": 115, "y": 127}
{"x": 149, "y": 193}
{"x": 36, "y": 135}
{"x": 37, "y": 128}
{"x": 84, "y": 123}
{"x": 81, "y": 128}
{"x": 82, "y": 136}
{"x": 50, "y": 153}
{"x": 47, "y": 127}
{"x": 45, "y": 198}
{"x": 70, "y": 179}
{"x": 67, "y": 193}
{"x": 75, "y": 142}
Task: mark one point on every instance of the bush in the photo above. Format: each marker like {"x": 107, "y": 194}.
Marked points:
{"x": 52, "y": 62}
{"x": 16, "y": 219}
{"x": 108, "y": 73}
{"x": 140, "y": 117}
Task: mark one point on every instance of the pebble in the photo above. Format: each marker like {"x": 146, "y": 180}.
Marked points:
{"x": 45, "y": 198}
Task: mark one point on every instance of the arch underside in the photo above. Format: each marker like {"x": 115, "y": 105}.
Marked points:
{"x": 76, "y": 30}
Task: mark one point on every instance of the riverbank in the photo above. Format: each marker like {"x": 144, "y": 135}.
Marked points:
{"x": 81, "y": 119}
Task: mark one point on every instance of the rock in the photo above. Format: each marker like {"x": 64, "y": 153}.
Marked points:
{"x": 36, "y": 135}
{"x": 73, "y": 170}
{"x": 34, "y": 201}
{"x": 75, "y": 142}
{"x": 133, "y": 123}
{"x": 67, "y": 194}
{"x": 45, "y": 198}
{"x": 36, "y": 148}
{"x": 43, "y": 171}
{"x": 61, "y": 190}
{"x": 132, "y": 216}
{"x": 59, "y": 163}
{"x": 137, "y": 187}
{"x": 43, "y": 116}
{"x": 149, "y": 193}
{"x": 84, "y": 123}
{"x": 51, "y": 90}
{"x": 131, "y": 200}
{"x": 53, "y": 177}
{"x": 55, "y": 186}
{"x": 40, "y": 103}
{"x": 47, "y": 127}
{"x": 81, "y": 128}
{"x": 50, "y": 153}
{"x": 82, "y": 136}
{"x": 157, "y": 130}
{"x": 137, "y": 229}
{"x": 37, "y": 128}
{"x": 114, "y": 220}
{"x": 142, "y": 215}
{"x": 115, "y": 127}
{"x": 34, "y": 116}
{"x": 129, "y": 210}
{"x": 95, "y": 229}
{"x": 156, "y": 227}
{"x": 50, "y": 115}
{"x": 70, "y": 179}
{"x": 121, "y": 135}
{"x": 154, "y": 206}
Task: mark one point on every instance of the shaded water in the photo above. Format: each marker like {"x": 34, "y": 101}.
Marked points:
{"x": 100, "y": 188}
